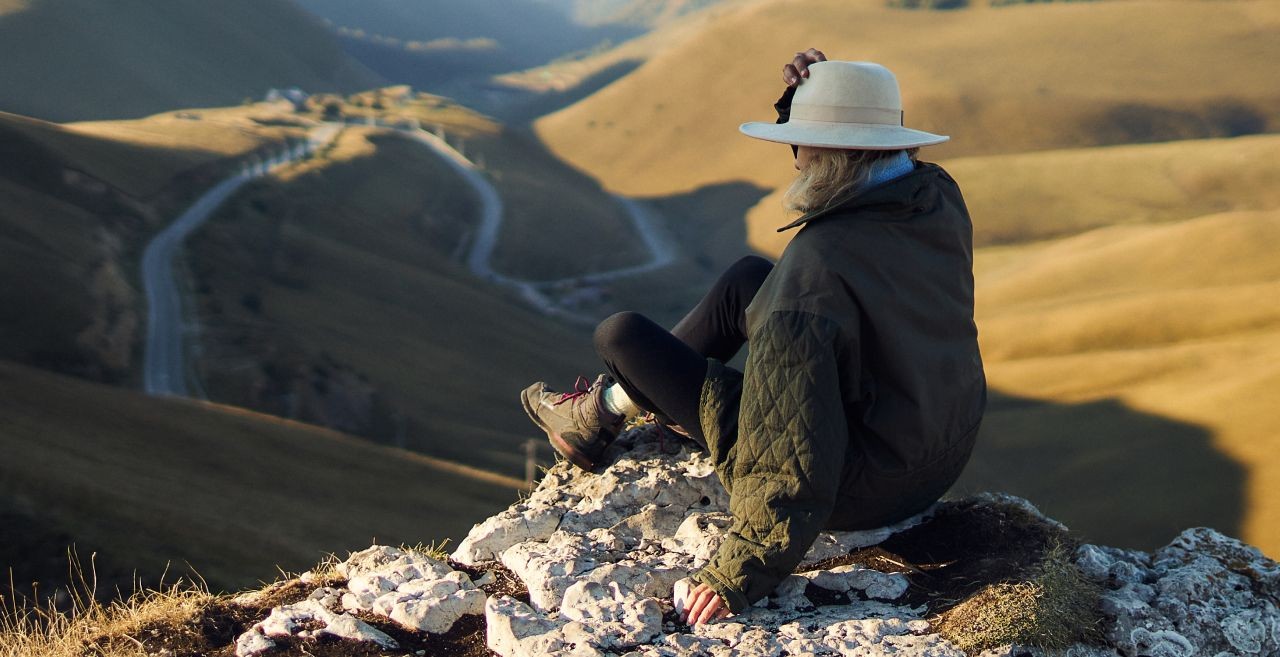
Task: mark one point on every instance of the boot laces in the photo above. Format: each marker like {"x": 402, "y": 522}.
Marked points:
{"x": 580, "y": 387}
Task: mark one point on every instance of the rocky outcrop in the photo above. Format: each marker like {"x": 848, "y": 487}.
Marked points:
{"x": 590, "y": 562}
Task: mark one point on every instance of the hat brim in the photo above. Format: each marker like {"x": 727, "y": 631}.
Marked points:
{"x": 868, "y": 136}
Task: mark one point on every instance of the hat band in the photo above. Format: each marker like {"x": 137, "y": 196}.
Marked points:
{"x": 842, "y": 114}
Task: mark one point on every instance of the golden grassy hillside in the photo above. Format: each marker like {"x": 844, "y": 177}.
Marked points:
{"x": 567, "y": 73}
{"x": 1174, "y": 321}
{"x": 997, "y": 80}
{"x": 83, "y": 59}
{"x": 146, "y": 482}
{"x": 79, "y": 201}
{"x": 557, "y": 221}
{"x": 334, "y": 292}
{"x": 1021, "y": 197}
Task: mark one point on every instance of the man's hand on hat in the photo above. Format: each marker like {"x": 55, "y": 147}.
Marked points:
{"x": 798, "y": 68}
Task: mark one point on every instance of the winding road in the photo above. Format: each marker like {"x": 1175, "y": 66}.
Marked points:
{"x": 661, "y": 248}
{"x": 164, "y": 370}
{"x": 168, "y": 327}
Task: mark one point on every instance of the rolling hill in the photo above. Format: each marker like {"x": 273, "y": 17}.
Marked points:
{"x": 1025, "y": 197}
{"x": 335, "y": 292}
{"x": 76, "y": 204}
{"x": 152, "y": 484}
{"x": 452, "y": 48}
{"x": 68, "y": 60}
{"x": 1171, "y": 320}
{"x": 646, "y": 13}
{"x": 996, "y": 79}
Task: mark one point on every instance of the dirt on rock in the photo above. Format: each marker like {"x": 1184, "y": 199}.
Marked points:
{"x": 962, "y": 548}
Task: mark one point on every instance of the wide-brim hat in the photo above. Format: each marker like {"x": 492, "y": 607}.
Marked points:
{"x": 855, "y": 105}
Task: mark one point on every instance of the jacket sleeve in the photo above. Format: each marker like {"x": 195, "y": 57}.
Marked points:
{"x": 790, "y": 453}
{"x": 783, "y": 107}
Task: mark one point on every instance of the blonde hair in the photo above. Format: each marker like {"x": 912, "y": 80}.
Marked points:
{"x": 830, "y": 173}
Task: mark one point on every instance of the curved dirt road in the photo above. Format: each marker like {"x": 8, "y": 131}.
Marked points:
{"x": 168, "y": 329}
{"x": 164, "y": 370}
{"x": 662, "y": 249}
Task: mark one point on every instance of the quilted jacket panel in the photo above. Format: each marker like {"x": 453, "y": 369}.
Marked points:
{"x": 864, "y": 387}
{"x": 784, "y": 470}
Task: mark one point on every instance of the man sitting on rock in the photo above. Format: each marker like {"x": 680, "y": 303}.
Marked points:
{"x": 863, "y": 389}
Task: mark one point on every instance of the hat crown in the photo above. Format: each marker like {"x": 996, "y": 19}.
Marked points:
{"x": 848, "y": 105}
{"x": 836, "y": 91}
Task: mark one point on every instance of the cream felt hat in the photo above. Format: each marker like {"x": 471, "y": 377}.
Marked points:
{"x": 845, "y": 105}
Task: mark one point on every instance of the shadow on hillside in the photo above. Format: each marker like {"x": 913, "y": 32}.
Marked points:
{"x": 515, "y": 107}
{"x": 707, "y": 226}
{"x": 709, "y": 221}
{"x": 1113, "y": 474}
{"x": 1131, "y": 123}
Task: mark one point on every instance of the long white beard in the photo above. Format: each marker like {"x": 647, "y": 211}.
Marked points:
{"x": 798, "y": 197}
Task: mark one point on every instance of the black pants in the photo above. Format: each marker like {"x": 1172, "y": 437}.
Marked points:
{"x": 662, "y": 371}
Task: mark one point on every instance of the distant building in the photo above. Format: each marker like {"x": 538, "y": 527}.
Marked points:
{"x": 293, "y": 95}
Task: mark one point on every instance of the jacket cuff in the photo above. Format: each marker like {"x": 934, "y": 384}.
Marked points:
{"x": 783, "y": 107}
{"x": 733, "y": 598}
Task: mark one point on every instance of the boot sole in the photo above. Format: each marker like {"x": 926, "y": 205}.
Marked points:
{"x": 559, "y": 444}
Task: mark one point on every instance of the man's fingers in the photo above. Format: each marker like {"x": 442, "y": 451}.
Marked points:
{"x": 693, "y": 603}
{"x": 696, "y": 602}
{"x": 709, "y": 610}
{"x": 799, "y": 66}
{"x": 790, "y": 75}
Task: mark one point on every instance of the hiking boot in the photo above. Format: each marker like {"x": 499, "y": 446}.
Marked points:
{"x": 578, "y": 424}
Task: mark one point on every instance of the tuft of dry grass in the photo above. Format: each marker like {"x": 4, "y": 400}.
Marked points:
{"x": 435, "y": 549}
{"x": 91, "y": 627}
{"x": 1055, "y": 607}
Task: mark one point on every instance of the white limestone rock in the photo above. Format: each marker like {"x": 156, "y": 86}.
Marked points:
{"x": 414, "y": 590}
{"x": 512, "y": 629}
{"x": 328, "y": 597}
{"x": 549, "y": 568}
{"x": 253, "y": 642}
{"x": 614, "y": 618}
{"x": 699, "y": 535}
{"x": 1005, "y": 499}
{"x": 789, "y": 595}
{"x": 601, "y": 553}
{"x": 490, "y": 538}
{"x": 649, "y": 492}
{"x": 308, "y": 619}
{"x": 872, "y": 583}
{"x": 835, "y": 544}
{"x": 1202, "y": 594}
{"x": 432, "y": 605}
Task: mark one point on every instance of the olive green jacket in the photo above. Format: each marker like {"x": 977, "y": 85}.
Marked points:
{"x": 863, "y": 389}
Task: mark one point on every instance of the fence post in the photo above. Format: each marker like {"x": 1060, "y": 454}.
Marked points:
{"x": 530, "y": 462}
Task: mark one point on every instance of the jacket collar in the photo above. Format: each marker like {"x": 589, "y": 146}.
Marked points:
{"x": 897, "y": 190}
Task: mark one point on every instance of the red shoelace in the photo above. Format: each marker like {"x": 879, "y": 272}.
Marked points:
{"x": 580, "y": 387}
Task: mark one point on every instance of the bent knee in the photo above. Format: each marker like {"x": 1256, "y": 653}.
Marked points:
{"x": 619, "y": 329}
{"x": 749, "y": 271}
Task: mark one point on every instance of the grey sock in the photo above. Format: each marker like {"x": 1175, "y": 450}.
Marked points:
{"x": 617, "y": 402}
